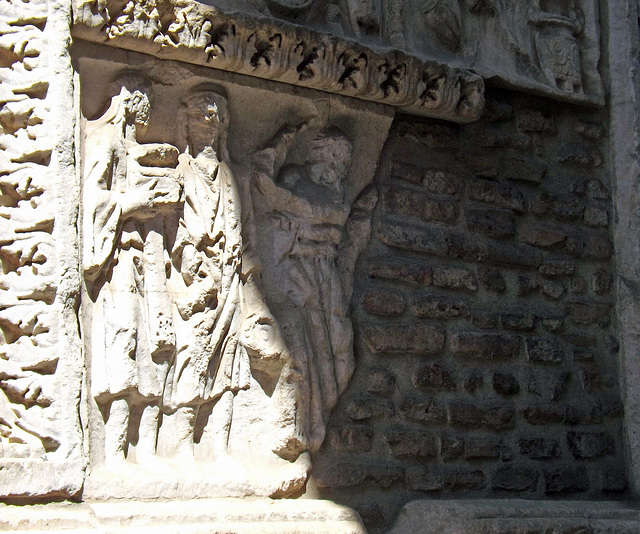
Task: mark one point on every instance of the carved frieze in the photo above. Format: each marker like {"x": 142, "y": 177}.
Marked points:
{"x": 283, "y": 52}
{"x": 550, "y": 47}
{"x": 216, "y": 305}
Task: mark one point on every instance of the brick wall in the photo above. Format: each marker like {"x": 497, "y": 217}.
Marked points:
{"x": 486, "y": 349}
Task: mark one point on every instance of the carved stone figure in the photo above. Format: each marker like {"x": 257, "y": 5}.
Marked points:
{"x": 443, "y": 19}
{"x": 558, "y": 24}
{"x": 205, "y": 285}
{"x": 301, "y": 215}
{"x": 130, "y": 196}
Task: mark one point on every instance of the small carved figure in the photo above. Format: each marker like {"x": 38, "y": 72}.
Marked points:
{"x": 443, "y": 19}
{"x": 559, "y": 23}
{"x": 301, "y": 212}
{"x": 188, "y": 29}
{"x": 130, "y": 195}
{"x": 364, "y": 17}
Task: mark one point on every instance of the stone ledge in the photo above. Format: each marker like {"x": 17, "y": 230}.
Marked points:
{"x": 517, "y": 516}
{"x": 242, "y": 516}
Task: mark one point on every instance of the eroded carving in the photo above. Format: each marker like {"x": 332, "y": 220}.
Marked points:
{"x": 28, "y": 282}
{"x": 217, "y": 327}
{"x": 558, "y": 25}
{"x": 308, "y": 235}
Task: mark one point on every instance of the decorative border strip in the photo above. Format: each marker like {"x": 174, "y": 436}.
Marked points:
{"x": 203, "y": 35}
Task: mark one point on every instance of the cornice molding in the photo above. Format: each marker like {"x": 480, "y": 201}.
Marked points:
{"x": 274, "y": 50}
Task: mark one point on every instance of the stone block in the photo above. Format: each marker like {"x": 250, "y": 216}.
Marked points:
{"x": 497, "y": 193}
{"x": 589, "y": 313}
{"x": 406, "y": 172}
{"x": 383, "y": 302}
{"x": 421, "y": 479}
{"x": 527, "y": 285}
{"x": 614, "y": 479}
{"x": 518, "y": 321}
{"x": 491, "y": 279}
{"x": 596, "y": 216}
{"x": 601, "y": 282}
{"x": 597, "y": 191}
{"x": 422, "y": 410}
{"x": 363, "y": 408}
{"x": 568, "y": 209}
{"x": 350, "y": 474}
{"x": 587, "y": 414}
{"x": 597, "y": 247}
{"x": 566, "y": 480}
{"x": 455, "y": 278}
{"x": 539, "y": 448}
{"x": 381, "y": 382}
{"x": 557, "y": 267}
{"x": 433, "y": 377}
{"x": 540, "y": 235}
{"x": 516, "y": 516}
{"x": 485, "y": 346}
{"x": 591, "y": 379}
{"x": 439, "y": 307}
{"x": 544, "y": 350}
{"x": 488, "y": 448}
{"x": 505, "y": 253}
{"x": 404, "y": 339}
{"x": 523, "y": 169}
{"x": 451, "y": 447}
{"x": 400, "y": 270}
{"x": 441, "y": 182}
{"x": 515, "y": 479}
{"x": 410, "y": 203}
{"x": 484, "y": 319}
{"x": 534, "y": 121}
{"x": 468, "y": 415}
{"x": 351, "y": 438}
{"x": 412, "y": 443}
{"x": 436, "y": 241}
{"x": 240, "y": 516}
{"x": 505, "y": 384}
{"x": 587, "y": 445}
{"x": 473, "y": 381}
{"x": 548, "y": 384}
{"x": 543, "y": 414}
{"x": 499, "y": 224}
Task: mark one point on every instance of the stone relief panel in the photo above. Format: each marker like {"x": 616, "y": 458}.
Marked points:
{"x": 38, "y": 416}
{"x": 216, "y": 309}
{"x": 276, "y": 50}
{"x": 548, "y": 46}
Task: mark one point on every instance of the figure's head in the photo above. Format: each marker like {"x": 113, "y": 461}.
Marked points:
{"x": 134, "y": 91}
{"x": 205, "y": 119}
{"x": 329, "y": 158}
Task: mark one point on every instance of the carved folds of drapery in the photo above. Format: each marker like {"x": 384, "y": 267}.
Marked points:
{"x": 216, "y": 305}
{"x": 279, "y": 51}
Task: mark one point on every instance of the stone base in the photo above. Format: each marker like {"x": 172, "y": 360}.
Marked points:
{"x": 242, "y": 516}
{"x": 515, "y": 516}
